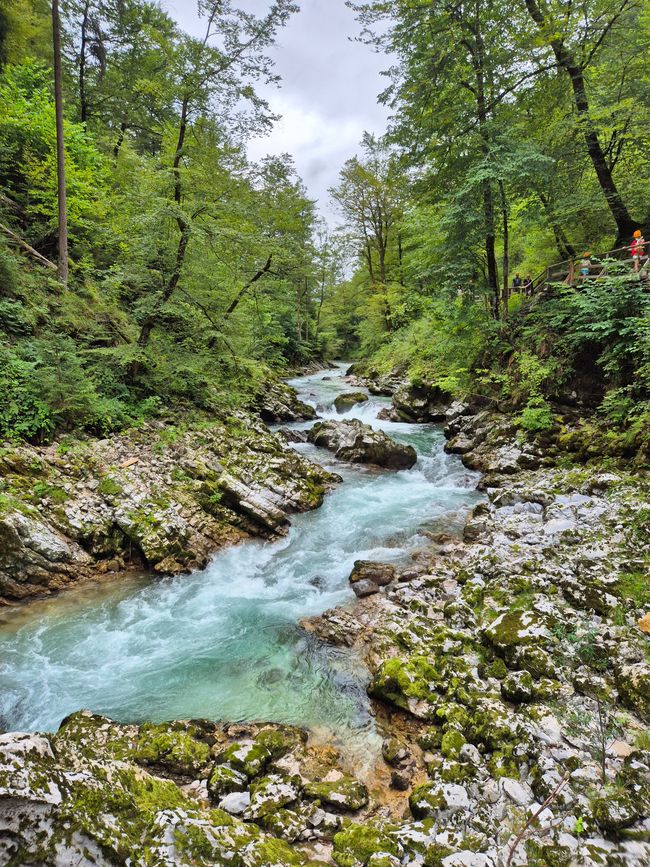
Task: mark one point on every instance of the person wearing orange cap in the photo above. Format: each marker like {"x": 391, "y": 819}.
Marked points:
{"x": 637, "y": 248}
{"x": 585, "y": 265}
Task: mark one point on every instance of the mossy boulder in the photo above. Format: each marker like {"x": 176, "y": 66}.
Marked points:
{"x": 248, "y": 757}
{"x": 615, "y": 811}
{"x": 345, "y": 794}
{"x": 452, "y": 743}
{"x": 409, "y": 684}
{"x": 280, "y": 740}
{"x": 174, "y": 748}
{"x": 269, "y": 794}
{"x": 224, "y": 780}
{"x": 633, "y": 685}
{"x": 517, "y": 687}
{"x": 516, "y": 627}
{"x": 438, "y": 800}
{"x": 356, "y": 845}
{"x": 394, "y": 751}
{"x": 283, "y": 823}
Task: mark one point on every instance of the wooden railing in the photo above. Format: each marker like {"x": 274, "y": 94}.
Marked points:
{"x": 568, "y": 270}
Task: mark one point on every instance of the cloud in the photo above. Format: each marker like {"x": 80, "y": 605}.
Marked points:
{"x": 329, "y": 91}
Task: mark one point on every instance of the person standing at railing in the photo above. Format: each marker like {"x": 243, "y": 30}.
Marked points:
{"x": 528, "y": 285}
{"x": 516, "y": 283}
{"x": 637, "y": 249}
{"x": 585, "y": 266}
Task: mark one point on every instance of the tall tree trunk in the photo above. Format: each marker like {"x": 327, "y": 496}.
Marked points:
{"x": 83, "y": 103}
{"x": 506, "y": 249}
{"x": 60, "y": 146}
{"x": 478, "y": 61}
{"x": 120, "y": 139}
{"x": 625, "y": 225}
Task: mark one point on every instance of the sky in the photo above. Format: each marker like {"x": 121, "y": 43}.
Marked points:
{"x": 328, "y": 95}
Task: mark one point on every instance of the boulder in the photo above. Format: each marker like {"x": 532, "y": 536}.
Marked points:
{"x": 421, "y": 403}
{"x": 345, "y": 793}
{"x": 367, "y": 577}
{"x": 281, "y": 403}
{"x": 344, "y": 402}
{"x": 438, "y": 800}
{"x": 353, "y": 441}
{"x": 633, "y": 685}
{"x": 517, "y": 687}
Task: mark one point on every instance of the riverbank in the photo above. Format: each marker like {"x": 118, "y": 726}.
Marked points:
{"x": 164, "y": 497}
{"x": 510, "y": 681}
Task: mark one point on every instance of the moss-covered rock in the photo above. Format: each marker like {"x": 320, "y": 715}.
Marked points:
{"x": 633, "y": 685}
{"x": 269, "y": 794}
{"x": 516, "y": 627}
{"x": 452, "y": 743}
{"x": 248, "y": 757}
{"x": 224, "y": 779}
{"x": 615, "y": 810}
{"x": 517, "y": 687}
{"x": 345, "y": 794}
{"x": 174, "y": 747}
{"x": 356, "y": 845}
{"x": 437, "y": 800}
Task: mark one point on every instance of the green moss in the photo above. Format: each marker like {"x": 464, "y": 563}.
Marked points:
{"x": 452, "y": 743}
{"x": 224, "y": 779}
{"x": 279, "y": 741}
{"x": 250, "y": 759}
{"x": 165, "y": 746}
{"x": 356, "y": 844}
{"x": 109, "y": 487}
{"x": 345, "y": 793}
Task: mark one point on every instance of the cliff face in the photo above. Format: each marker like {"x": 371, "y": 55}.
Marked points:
{"x": 161, "y": 497}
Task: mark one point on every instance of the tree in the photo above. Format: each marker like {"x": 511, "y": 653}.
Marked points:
{"x": 221, "y": 74}
{"x": 575, "y": 35}
{"x": 370, "y": 196}
{"x": 60, "y": 145}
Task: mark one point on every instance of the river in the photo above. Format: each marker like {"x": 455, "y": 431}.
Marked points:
{"x": 224, "y": 643}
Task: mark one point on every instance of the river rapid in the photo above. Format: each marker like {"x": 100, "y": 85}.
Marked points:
{"x": 224, "y": 643}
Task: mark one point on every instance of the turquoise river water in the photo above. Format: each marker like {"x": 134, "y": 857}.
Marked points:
{"x": 224, "y": 643}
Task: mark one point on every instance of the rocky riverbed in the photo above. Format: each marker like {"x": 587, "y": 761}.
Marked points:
{"x": 509, "y": 675}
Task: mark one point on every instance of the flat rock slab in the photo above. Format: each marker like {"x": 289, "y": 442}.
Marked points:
{"x": 355, "y": 442}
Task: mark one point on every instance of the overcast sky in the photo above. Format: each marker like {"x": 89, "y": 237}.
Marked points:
{"x": 328, "y": 95}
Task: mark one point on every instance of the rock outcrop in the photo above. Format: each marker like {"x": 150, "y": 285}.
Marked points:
{"x": 280, "y": 403}
{"x": 515, "y": 674}
{"x": 419, "y": 403}
{"x": 184, "y": 793}
{"x": 161, "y": 497}
{"x": 353, "y": 441}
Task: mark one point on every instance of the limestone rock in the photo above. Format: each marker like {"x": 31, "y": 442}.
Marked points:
{"x": 344, "y": 794}
{"x": 346, "y": 401}
{"x": 353, "y": 441}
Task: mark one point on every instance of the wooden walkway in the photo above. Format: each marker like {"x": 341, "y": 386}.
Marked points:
{"x": 602, "y": 265}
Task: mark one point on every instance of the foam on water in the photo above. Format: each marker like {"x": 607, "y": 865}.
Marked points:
{"x": 224, "y": 643}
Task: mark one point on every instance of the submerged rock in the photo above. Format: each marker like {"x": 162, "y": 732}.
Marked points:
{"x": 353, "y": 441}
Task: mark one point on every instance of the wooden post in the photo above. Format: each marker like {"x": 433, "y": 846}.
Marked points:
{"x": 60, "y": 145}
